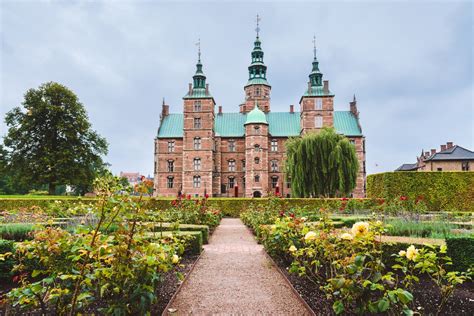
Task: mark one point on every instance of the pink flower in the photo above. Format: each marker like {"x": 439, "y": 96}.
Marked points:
{"x": 403, "y": 198}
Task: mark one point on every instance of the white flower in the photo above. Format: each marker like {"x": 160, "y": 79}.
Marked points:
{"x": 346, "y": 236}
{"x": 402, "y": 253}
{"x": 310, "y": 236}
{"x": 360, "y": 228}
{"x": 175, "y": 259}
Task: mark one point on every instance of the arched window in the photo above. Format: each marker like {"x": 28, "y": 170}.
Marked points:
{"x": 196, "y": 181}
{"x": 170, "y": 182}
{"x": 197, "y": 142}
{"x": 257, "y": 178}
{"x": 197, "y": 122}
{"x": 231, "y": 145}
{"x": 171, "y": 146}
{"x": 197, "y": 164}
{"x": 170, "y": 165}
{"x": 274, "y": 182}
{"x": 257, "y": 147}
{"x": 257, "y": 160}
{"x": 319, "y": 104}
{"x": 274, "y": 165}
{"x": 231, "y": 182}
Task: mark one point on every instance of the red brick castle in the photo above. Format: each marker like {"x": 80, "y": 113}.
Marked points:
{"x": 241, "y": 154}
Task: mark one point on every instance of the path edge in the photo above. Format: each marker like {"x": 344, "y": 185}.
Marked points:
{"x": 165, "y": 311}
{"x": 297, "y": 294}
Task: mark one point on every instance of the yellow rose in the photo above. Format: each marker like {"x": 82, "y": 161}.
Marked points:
{"x": 412, "y": 253}
{"x": 292, "y": 248}
{"x": 175, "y": 259}
{"x": 310, "y": 236}
{"x": 402, "y": 253}
{"x": 346, "y": 236}
{"x": 360, "y": 228}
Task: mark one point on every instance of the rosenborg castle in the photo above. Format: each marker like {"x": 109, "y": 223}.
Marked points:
{"x": 201, "y": 151}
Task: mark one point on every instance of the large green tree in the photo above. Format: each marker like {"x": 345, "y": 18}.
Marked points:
{"x": 50, "y": 140}
{"x": 321, "y": 164}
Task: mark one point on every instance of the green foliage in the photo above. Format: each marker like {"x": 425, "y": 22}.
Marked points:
{"x": 204, "y": 229}
{"x": 414, "y": 228}
{"x": 17, "y": 231}
{"x": 193, "y": 240}
{"x": 448, "y": 191}
{"x": 6, "y": 265}
{"x": 46, "y": 137}
{"x": 321, "y": 164}
{"x": 95, "y": 269}
{"x": 461, "y": 250}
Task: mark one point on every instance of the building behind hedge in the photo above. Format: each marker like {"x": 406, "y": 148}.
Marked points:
{"x": 241, "y": 154}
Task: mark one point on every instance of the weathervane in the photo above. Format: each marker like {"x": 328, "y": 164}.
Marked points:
{"x": 314, "y": 46}
{"x": 198, "y": 44}
{"x": 258, "y": 28}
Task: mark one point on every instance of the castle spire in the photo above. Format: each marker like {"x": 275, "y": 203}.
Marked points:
{"x": 257, "y": 68}
{"x": 199, "y": 88}
{"x": 315, "y": 77}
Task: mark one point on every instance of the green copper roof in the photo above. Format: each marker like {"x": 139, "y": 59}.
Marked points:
{"x": 257, "y": 81}
{"x": 316, "y": 91}
{"x": 281, "y": 124}
{"x": 256, "y": 116}
{"x": 198, "y": 93}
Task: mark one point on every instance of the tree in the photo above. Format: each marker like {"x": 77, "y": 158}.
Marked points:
{"x": 321, "y": 164}
{"x": 51, "y": 141}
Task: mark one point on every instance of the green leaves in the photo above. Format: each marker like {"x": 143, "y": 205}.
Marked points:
{"x": 338, "y": 307}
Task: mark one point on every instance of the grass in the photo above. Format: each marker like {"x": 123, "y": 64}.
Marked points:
{"x": 16, "y": 231}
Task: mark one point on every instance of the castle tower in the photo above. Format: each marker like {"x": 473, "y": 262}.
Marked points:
{"x": 317, "y": 104}
{"x": 198, "y": 135}
{"x": 257, "y": 88}
{"x": 256, "y": 153}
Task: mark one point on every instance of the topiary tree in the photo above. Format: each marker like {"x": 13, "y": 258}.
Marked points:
{"x": 322, "y": 164}
{"x": 51, "y": 141}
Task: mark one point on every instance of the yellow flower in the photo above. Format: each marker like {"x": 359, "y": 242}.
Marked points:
{"x": 346, "y": 236}
{"x": 360, "y": 228}
{"x": 402, "y": 253}
{"x": 292, "y": 248}
{"x": 310, "y": 236}
{"x": 412, "y": 253}
{"x": 175, "y": 259}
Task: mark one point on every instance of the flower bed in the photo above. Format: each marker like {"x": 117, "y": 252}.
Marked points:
{"x": 353, "y": 270}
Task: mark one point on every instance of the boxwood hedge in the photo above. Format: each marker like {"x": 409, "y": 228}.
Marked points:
{"x": 442, "y": 191}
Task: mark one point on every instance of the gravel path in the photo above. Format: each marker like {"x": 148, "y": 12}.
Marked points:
{"x": 234, "y": 276}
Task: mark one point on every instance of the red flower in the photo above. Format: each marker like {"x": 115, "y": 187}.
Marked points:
{"x": 16, "y": 278}
{"x": 282, "y": 213}
{"x": 292, "y": 215}
{"x": 403, "y": 198}
{"x": 344, "y": 199}
{"x": 189, "y": 197}
{"x": 206, "y": 196}
{"x": 174, "y": 202}
{"x": 381, "y": 201}
{"x": 341, "y": 208}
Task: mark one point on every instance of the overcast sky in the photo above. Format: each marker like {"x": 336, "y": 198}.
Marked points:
{"x": 409, "y": 63}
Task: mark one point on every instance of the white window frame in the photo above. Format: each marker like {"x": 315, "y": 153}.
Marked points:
{"x": 197, "y": 164}
{"x": 318, "y": 121}
{"x": 318, "y": 104}
{"x": 274, "y": 145}
{"x": 196, "y": 181}
{"x": 231, "y": 165}
{"x": 197, "y": 143}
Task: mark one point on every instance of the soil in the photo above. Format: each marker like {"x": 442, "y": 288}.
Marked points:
{"x": 426, "y": 296}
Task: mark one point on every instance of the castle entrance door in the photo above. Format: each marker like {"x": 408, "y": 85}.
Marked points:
{"x": 257, "y": 194}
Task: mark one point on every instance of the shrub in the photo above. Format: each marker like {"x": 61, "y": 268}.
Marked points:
{"x": 16, "y": 231}
{"x": 413, "y": 228}
{"x": 204, "y": 229}
{"x": 461, "y": 250}
{"x": 449, "y": 191}
{"x": 6, "y": 265}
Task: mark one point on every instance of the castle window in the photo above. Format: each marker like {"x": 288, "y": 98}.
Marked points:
{"x": 257, "y": 147}
{"x": 196, "y": 182}
{"x": 243, "y": 165}
{"x": 352, "y": 142}
{"x": 440, "y": 169}
{"x": 170, "y": 182}
{"x": 170, "y": 165}
{"x": 257, "y": 160}
{"x": 274, "y": 145}
{"x": 243, "y": 182}
{"x": 274, "y": 165}
{"x": 256, "y": 178}
{"x": 274, "y": 182}
{"x": 197, "y": 142}
{"x": 197, "y": 106}
{"x": 231, "y": 165}
{"x": 465, "y": 166}
{"x": 288, "y": 183}
{"x": 231, "y": 182}
{"x": 197, "y": 122}
{"x": 319, "y": 104}
{"x": 231, "y": 145}
{"x": 257, "y": 91}
{"x": 197, "y": 164}
{"x": 318, "y": 121}
{"x": 171, "y": 147}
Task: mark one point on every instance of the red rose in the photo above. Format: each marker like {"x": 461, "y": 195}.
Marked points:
{"x": 189, "y": 197}
{"x": 282, "y": 213}
{"x": 206, "y": 196}
{"x": 344, "y": 199}
{"x": 403, "y": 198}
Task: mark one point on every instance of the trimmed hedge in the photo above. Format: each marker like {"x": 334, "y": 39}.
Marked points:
{"x": 195, "y": 246}
{"x": 204, "y": 229}
{"x": 461, "y": 250}
{"x": 442, "y": 191}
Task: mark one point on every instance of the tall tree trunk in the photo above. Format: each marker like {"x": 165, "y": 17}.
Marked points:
{"x": 51, "y": 189}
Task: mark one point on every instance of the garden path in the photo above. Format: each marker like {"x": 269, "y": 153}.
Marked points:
{"x": 234, "y": 276}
